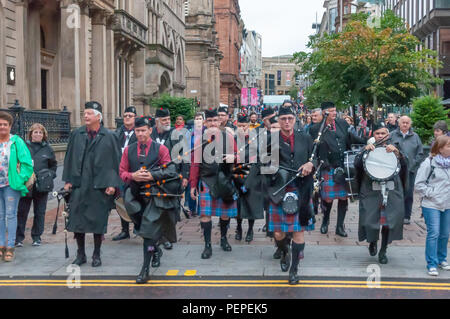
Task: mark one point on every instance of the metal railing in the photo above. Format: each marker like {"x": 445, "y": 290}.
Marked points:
{"x": 57, "y": 124}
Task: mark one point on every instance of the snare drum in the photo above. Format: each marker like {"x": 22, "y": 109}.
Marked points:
{"x": 380, "y": 165}
{"x": 350, "y": 171}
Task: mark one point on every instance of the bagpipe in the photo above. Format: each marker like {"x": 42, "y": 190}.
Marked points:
{"x": 60, "y": 195}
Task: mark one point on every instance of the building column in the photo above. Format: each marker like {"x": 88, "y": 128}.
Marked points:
{"x": 2, "y": 59}
{"x": 99, "y": 89}
{"x": 21, "y": 69}
{"x": 216, "y": 81}
{"x": 69, "y": 63}
{"x": 85, "y": 86}
{"x": 33, "y": 61}
{"x": 109, "y": 110}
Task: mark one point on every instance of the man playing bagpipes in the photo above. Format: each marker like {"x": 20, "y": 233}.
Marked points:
{"x": 247, "y": 178}
{"x": 211, "y": 181}
{"x": 146, "y": 167}
{"x": 290, "y": 192}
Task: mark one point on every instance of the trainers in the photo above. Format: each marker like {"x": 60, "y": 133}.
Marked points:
{"x": 433, "y": 272}
{"x": 36, "y": 243}
{"x": 444, "y": 265}
{"x": 19, "y": 244}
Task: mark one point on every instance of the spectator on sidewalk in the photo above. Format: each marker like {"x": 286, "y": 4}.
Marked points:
{"x": 392, "y": 122}
{"x": 16, "y": 167}
{"x": 412, "y": 146}
{"x": 45, "y": 165}
{"x": 440, "y": 128}
{"x": 433, "y": 184}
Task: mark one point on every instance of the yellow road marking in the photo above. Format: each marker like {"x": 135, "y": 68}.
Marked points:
{"x": 234, "y": 285}
{"x": 233, "y": 282}
{"x": 190, "y": 272}
{"x": 172, "y": 273}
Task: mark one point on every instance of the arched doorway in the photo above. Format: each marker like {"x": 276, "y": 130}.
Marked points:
{"x": 164, "y": 86}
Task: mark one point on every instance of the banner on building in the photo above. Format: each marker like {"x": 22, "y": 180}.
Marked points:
{"x": 254, "y": 97}
{"x": 244, "y": 97}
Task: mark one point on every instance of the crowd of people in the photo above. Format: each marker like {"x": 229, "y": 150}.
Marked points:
{"x": 142, "y": 165}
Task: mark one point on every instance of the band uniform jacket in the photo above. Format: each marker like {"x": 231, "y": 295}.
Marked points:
{"x": 91, "y": 167}
{"x": 370, "y": 202}
{"x": 333, "y": 144}
{"x": 303, "y": 146}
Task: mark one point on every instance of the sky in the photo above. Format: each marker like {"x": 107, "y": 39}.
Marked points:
{"x": 284, "y": 25}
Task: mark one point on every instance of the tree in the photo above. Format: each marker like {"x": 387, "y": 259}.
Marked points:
{"x": 427, "y": 110}
{"x": 368, "y": 65}
{"x": 293, "y": 92}
{"x": 176, "y": 105}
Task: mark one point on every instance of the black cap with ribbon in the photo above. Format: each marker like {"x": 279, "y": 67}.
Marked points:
{"x": 267, "y": 112}
{"x": 327, "y": 105}
{"x": 142, "y": 121}
{"x": 93, "y": 105}
{"x": 161, "y": 112}
{"x": 210, "y": 113}
{"x": 131, "y": 109}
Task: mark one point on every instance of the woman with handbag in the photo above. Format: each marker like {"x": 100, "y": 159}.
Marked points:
{"x": 45, "y": 165}
{"x": 433, "y": 183}
{"x": 16, "y": 168}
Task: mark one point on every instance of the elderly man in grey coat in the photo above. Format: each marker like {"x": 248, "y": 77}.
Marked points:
{"x": 412, "y": 147}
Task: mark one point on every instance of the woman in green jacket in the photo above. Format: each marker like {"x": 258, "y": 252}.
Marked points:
{"x": 16, "y": 167}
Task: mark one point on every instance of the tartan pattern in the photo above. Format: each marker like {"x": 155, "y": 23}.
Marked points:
{"x": 209, "y": 206}
{"x": 383, "y": 217}
{"x": 281, "y": 222}
{"x": 330, "y": 190}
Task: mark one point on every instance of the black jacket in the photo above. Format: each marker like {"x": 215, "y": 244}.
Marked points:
{"x": 121, "y": 138}
{"x": 43, "y": 156}
{"x": 333, "y": 144}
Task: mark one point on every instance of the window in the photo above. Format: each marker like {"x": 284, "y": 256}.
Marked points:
{"x": 442, "y": 4}
{"x": 278, "y": 77}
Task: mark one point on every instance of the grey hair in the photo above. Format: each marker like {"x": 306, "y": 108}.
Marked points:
{"x": 98, "y": 113}
{"x": 317, "y": 110}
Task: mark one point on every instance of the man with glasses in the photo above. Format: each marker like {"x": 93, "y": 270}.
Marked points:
{"x": 126, "y": 136}
{"x": 335, "y": 140}
{"x": 289, "y": 208}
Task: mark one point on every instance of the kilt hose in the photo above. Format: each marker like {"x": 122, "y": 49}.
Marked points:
{"x": 330, "y": 190}
{"x": 209, "y": 206}
{"x": 282, "y": 222}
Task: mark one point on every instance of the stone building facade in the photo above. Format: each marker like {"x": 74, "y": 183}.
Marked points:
{"x": 278, "y": 75}
{"x": 229, "y": 29}
{"x": 202, "y": 53}
{"x": 251, "y": 60}
{"x": 65, "y": 52}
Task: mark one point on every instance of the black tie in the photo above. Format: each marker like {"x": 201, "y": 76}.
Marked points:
{"x": 142, "y": 147}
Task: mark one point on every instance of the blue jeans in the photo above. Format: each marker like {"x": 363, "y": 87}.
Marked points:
{"x": 9, "y": 200}
{"x": 438, "y": 227}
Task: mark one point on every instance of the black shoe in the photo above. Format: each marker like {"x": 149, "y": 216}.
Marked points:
{"x": 382, "y": 258}
{"x": 123, "y": 235}
{"x": 207, "y": 252}
{"x": 167, "y": 245}
{"x": 143, "y": 277}
{"x": 285, "y": 261}
{"x": 238, "y": 234}
{"x": 264, "y": 229}
{"x": 324, "y": 229}
{"x": 96, "y": 261}
{"x": 294, "y": 278}
{"x": 277, "y": 254}
{"x": 156, "y": 261}
{"x": 224, "y": 244}
{"x": 186, "y": 213}
{"x": 340, "y": 231}
{"x": 249, "y": 236}
{"x": 81, "y": 259}
{"x": 373, "y": 249}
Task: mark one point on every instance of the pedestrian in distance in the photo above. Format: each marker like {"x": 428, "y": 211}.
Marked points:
{"x": 45, "y": 165}
{"x": 16, "y": 168}
{"x": 433, "y": 183}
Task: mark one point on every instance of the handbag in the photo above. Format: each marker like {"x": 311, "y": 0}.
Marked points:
{"x": 30, "y": 182}
{"x": 44, "y": 180}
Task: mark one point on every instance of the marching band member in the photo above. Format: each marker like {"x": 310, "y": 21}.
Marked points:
{"x": 372, "y": 215}
{"x": 204, "y": 178}
{"x": 153, "y": 216}
{"x": 295, "y": 148}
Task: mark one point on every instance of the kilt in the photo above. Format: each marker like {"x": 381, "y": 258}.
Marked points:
{"x": 281, "y": 222}
{"x": 330, "y": 190}
{"x": 209, "y": 206}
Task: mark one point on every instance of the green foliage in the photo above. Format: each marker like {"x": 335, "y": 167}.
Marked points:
{"x": 293, "y": 92}
{"x": 367, "y": 65}
{"x": 176, "y": 105}
{"x": 427, "y": 110}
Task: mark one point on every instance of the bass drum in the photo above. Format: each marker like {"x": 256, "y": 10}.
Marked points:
{"x": 380, "y": 165}
{"x": 350, "y": 171}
